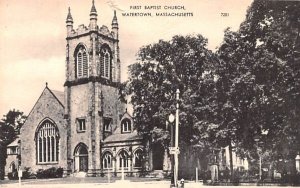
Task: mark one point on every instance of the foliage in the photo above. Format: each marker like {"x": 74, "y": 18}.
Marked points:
{"x": 13, "y": 175}
{"x": 249, "y": 87}
{"x": 259, "y": 79}
{"x": 50, "y": 173}
{"x": 15, "y": 119}
{"x": 182, "y": 63}
{"x": 26, "y": 174}
{"x": 9, "y": 126}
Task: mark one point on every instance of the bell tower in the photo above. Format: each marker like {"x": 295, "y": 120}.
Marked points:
{"x": 92, "y": 104}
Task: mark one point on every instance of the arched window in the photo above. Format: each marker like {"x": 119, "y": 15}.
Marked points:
{"x": 107, "y": 160}
{"x": 47, "y": 142}
{"x": 82, "y": 63}
{"x": 138, "y": 157}
{"x": 123, "y": 159}
{"x": 105, "y": 59}
{"x": 126, "y": 126}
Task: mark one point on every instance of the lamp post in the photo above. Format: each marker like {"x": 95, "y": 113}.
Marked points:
{"x": 257, "y": 139}
{"x": 176, "y": 137}
{"x": 175, "y": 150}
{"x": 171, "y": 120}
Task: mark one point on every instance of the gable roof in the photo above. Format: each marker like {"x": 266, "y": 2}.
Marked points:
{"x": 14, "y": 143}
{"x": 59, "y": 95}
{"x": 117, "y": 136}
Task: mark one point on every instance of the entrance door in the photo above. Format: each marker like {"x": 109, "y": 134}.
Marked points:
{"x": 81, "y": 158}
{"x": 83, "y": 163}
{"x": 158, "y": 156}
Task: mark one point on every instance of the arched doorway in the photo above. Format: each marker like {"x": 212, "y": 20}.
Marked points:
{"x": 12, "y": 167}
{"x": 81, "y": 158}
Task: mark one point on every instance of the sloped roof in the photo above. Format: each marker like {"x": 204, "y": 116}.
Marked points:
{"x": 14, "y": 143}
{"x": 59, "y": 95}
{"x": 118, "y": 137}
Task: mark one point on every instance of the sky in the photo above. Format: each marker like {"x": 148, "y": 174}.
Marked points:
{"x": 33, "y": 37}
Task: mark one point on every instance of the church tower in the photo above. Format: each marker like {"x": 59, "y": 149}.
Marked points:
{"x": 92, "y": 104}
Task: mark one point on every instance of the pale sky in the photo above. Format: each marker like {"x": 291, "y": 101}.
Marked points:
{"x": 33, "y": 32}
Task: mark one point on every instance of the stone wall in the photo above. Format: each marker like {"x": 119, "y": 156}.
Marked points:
{"x": 48, "y": 107}
{"x": 9, "y": 160}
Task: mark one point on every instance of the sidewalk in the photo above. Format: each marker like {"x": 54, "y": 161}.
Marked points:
{"x": 118, "y": 184}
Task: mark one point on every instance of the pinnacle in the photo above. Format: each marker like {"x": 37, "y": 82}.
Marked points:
{"x": 93, "y": 9}
{"x": 115, "y": 20}
{"x": 69, "y": 16}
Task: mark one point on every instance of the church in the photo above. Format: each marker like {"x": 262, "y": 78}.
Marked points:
{"x": 87, "y": 127}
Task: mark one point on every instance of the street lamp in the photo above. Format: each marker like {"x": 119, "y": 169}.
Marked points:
{"x": 257, "y": 139}
{"x": 171, "y": 118}
{"x": 175, "y": 150}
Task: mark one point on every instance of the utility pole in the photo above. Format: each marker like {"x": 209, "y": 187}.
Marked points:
{"x": 174, "y": 150}
{"x": 176, "y": 138}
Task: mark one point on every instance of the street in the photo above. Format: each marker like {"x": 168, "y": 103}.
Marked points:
{"x": 100, "y": 182}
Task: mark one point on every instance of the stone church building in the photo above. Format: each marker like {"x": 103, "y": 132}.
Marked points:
{"x": 86, "y": 128}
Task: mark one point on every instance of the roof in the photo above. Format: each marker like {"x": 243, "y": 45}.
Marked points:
{"x": 14, "y": 143}
{"x": 123, "y": 137}
{"x": 59, "y": 95}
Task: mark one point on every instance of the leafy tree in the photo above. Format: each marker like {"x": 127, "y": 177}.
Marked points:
{"x": 259, "y": 79}
{"x": 9, "y": 128}
{"x": 182, "y": 63}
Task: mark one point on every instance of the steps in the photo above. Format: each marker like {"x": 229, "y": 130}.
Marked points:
{"x": 80, "y": 174}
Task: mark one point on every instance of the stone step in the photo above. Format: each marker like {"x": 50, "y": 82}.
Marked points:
{"x": 80, "y": 174}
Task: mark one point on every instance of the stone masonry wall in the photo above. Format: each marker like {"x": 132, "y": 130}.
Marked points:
{"x": 47, "y": 106}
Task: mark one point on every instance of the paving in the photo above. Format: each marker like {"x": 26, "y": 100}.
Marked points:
{"x": 73, "y": 182}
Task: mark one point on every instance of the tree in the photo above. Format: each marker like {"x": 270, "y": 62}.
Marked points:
{"x": 182, "y": 63}
{"x": 259, "y": 77}
{"x": 9, "y": 129}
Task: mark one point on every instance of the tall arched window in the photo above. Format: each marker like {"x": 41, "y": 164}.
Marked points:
{"x": 105, "y": 60}
{"x": 123, "y": 159}
{"x": 107, "y": 160}
{"x": 82, "y": 63}
{"x": 47, "y": 143}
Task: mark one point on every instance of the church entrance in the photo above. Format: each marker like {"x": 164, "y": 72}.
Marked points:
{"x": 81, "y": 158}
{"x": 158, "y": 156}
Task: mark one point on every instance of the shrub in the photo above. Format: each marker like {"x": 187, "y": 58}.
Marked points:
{"x": 50, "y": 173}
{"x": 59, "y": 172}
{"x": 13, "y": 175}
{"x": 28, "y": 174}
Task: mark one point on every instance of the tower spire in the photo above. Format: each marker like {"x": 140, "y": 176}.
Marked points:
{"x": 93, "y": 17}
{"x": 69, "y": 16}
{"x": 69, "y": 22}
{"x": 115, "y": 26}
{"x": 115, "y": 20}
{"x": 93, "y": 9}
